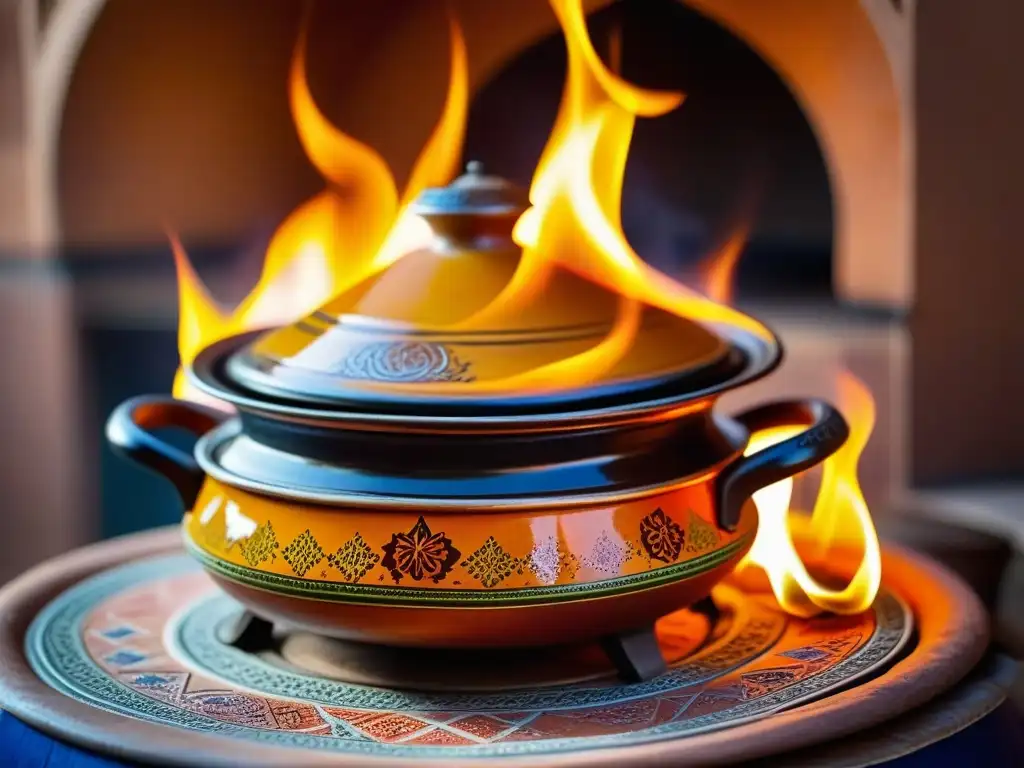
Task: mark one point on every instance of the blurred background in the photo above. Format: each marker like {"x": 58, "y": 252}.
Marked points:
{"x": 857, "y": 140}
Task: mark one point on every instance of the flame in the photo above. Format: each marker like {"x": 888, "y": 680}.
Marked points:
{"x": 575, "y": 215}
{"x": 575, "y": 220}
{"x": 840, "y": 523}
{"x": 357, "y": 226}
{"x": 360, "y": 224}
{"x": 718, "y": 272}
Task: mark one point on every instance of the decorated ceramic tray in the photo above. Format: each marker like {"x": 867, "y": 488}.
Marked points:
{"x": 142, "y": 640}
{"x": 121, "y": 648}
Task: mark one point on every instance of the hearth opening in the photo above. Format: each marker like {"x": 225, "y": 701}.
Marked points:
{"x": 738, "y": 156}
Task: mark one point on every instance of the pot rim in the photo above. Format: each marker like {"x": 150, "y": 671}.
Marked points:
{"x": 205, "y": 455}
{"x": 760, "y": 357}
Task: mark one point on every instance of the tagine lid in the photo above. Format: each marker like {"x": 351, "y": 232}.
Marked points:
{"x": 449, "y": 326}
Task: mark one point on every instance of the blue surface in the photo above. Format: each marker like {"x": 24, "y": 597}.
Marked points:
{"x": 24, "y": 747}
{"x": 997, "y": 740}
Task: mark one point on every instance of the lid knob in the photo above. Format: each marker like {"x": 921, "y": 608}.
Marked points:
{"x": 475, "y": 212}
{"x": 474, "y": 193}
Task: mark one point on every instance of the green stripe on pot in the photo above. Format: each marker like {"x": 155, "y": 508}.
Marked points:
{"x": 341, "y": 592}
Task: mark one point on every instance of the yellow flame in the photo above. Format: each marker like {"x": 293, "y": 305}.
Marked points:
{"x": 200, "y": 320}
{"x": 437, "y": 164}
{"x": 356, "y": 171}
{"x": 359, "y": 224}
{"x": 575, "y": 215}
{"x": 839, "y": 524}
{"x": 342, "y": 235}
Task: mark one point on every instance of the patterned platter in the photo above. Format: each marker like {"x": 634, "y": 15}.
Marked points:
{"x": 142, "y": 640}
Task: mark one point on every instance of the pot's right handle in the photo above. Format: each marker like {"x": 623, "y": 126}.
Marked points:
{"x": 129, "y": 432}
{"x": 827, "y": 431}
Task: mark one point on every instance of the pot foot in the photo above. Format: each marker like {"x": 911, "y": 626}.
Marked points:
{"x": 248, "y": 632}
{"x": 707, "y": 608}
{"x": 635, "y": 654}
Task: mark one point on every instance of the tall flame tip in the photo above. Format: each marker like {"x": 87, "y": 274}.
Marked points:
{"x": 840, "y": 522}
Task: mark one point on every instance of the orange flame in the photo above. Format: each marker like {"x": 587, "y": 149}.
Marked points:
{"x": 360, "y": 224}
{"x": 352, "y": 229}
{"x": 840, "y": 523}
{"x": 718, "y": 272}
{"x": 575, "y": 218}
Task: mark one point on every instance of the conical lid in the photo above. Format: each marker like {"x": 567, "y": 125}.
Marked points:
{"x": 437, "y": 329}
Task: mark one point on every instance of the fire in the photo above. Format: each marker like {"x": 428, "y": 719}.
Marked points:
{"x": 576, "y": 207}
{"x": 839, "y": 526}
{"x": 360, "y": 224}
{"x": 355, "y": 227}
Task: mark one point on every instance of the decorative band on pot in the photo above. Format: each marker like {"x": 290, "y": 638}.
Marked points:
{"x": 499, "y": 558}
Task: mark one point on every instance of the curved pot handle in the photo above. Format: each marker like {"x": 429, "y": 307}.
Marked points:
{"x": 129, "y": 432}
{"x": 826, "y": 433}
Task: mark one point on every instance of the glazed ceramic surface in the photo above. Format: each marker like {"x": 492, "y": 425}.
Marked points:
{"x": 468, "y": 556}
{"x": 489, "y": 578}
{"x": 142, "y": 641}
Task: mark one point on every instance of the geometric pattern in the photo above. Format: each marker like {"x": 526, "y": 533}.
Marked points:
{"x": 260, "y": 546}
{"x": 806, "y": 654}
{"x": 125, "y": 657}
{"x": 203, "y": 685}
{"x": 303, "y": 553}
{"x": 607, "y": 556}
{"x": 353, "y": 559}
{"x": 117, "y": 633}
{"x": 651, "y": 545}
{"x": 546, "y": 560}
{"x": 700, "y": 535}
{"x": 491, "y": 564}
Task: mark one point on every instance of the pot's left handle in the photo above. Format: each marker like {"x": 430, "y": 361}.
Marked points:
{"x": 826, "y": 432}
{"x": 130, "y": 432}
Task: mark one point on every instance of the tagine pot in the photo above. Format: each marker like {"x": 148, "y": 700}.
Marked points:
{"x": 374, "y": 481}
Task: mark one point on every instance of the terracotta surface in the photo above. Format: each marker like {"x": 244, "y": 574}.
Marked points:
{"x": 972, "y": 700}
{"x": 952, "y": 638}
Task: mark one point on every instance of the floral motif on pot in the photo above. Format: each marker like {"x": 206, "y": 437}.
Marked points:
{"x": 354, "y": 558}
{"x": 420, "y": 554}
{"x": 261, "y": 546}
{"x": 303, "y": 553}
{"x": 661, "y": 536}
{"x": 491, "y": 564}
{"x": 700, "y": 534}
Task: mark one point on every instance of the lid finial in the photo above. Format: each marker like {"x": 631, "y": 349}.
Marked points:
{"x": 474, "y": 193}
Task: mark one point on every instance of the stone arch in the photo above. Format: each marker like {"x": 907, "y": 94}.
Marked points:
{"x": 847, "y": 63}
